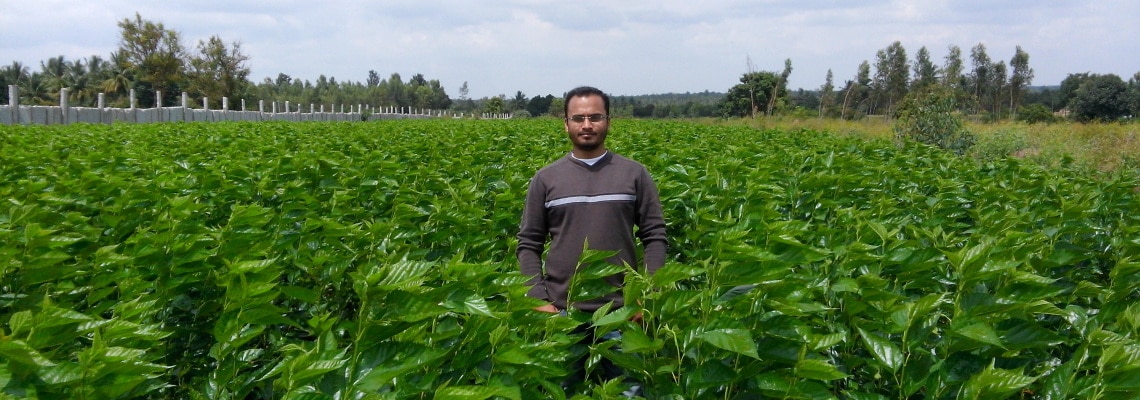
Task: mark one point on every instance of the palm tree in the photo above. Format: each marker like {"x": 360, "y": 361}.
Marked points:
{"x": 118, "y": 78}
{"x": 87, "y": 77}
{"x": 15, "y": 74}
{"x": 39, "y": 91}
{"x": 54, "y": 76}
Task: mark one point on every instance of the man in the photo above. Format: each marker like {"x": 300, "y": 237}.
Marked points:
{"x": 589, "y": 197}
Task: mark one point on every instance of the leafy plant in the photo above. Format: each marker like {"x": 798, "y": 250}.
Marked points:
{"x": 375, "y": 260}
{"x": 928, "y": 116}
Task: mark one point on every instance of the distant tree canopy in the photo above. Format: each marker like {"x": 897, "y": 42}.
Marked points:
{"x": 1099, "y": 97}
{"x": 753, "y": 94}
{"x": 980, "y": 87}
{"x": 151, "y": 58}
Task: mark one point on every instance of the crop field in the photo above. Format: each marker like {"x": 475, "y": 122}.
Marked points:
{"x": 376, "y": 261}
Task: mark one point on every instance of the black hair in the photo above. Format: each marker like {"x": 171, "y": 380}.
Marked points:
{"x": 581, "y": 91}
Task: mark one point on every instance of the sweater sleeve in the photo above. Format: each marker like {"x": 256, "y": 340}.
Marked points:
{"x": 651, "y": 224}
{"x": 532, "y": 239}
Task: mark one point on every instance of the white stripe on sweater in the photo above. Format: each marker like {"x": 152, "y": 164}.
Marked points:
{"x": 590, "y": 199}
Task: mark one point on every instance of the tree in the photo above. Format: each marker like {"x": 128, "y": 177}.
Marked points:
{"x": 855, "y": 92}
{"x": 980, "y": 78}
{"x": 396, "y": 91}
{"x": 1020, "y": 78}
{"x": 898, "y": 76}
{"x": 780, "y": 90}
{"x": 155, "y": 53}
{"x": 1134, "y": 87}
{"x": 539, "y": 105}
{"x": 119, "y": 77}
{"x": 15, "y": 74}
{"x": 925, "y": 72}
{"x": 826, "y": 95}
{"x": 878, "y": 88}
{"x": 219, "y": 71}
{"x": 495, "y": 105}
{"x": 998, "y": 85}
{"x": 952, "y": 70}
{"x": 744, "y": 98}
{"x": 54, "y": 73}
{"x": 954, "y": 79}
{"x": 1101, "y": 98}
{"x": 464, "y": 91}
{"x": 558, "y": 107}
{"x": 438, "y": 100}
{"x": 373, "y": 78}
{"x": 519, "y": 102}
{"x": 1069, "y": 87}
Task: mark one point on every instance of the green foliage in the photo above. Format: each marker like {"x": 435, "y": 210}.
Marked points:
{"x": 375, "y": 260}
{"x": 496, "y": 105}
{"x": 1036, "y": 113}
{"x": 929, "y": 117}
{"x": 1101, "y": 98}
{"x": 999, "y": 144}
{"x": 752, "y": 95}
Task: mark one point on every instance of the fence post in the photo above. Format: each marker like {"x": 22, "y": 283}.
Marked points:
{"x": 186, "y": 107}
{"x": 63, "y": 105}
{"x": 158, "y": 106}
{"x": 14, "y": 102}
{"x": 225, "y": 104}
{"x": 101, "y": 103}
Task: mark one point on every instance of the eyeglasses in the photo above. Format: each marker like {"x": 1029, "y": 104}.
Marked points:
{"x": 592, "y": 117}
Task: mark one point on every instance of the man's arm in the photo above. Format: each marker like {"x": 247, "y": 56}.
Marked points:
{"x": 532, "y": 239}
{"x": 651, "y": 224}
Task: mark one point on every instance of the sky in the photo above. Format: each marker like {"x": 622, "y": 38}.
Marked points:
{"x": 622, "y": 47}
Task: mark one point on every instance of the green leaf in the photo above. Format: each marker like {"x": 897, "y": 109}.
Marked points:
{"x": 636, "y": 341}
{"x": 979, "y": 332}
{"x": 613, "y": 318}
{"x": 17, "y": 350}
{"x": 62, "y": 373}
{"x": 819, "y": 370}
{"x": 473, "y": 392}
{"x": 884, "y": 350}
{"x": 735, "y": 340}
{"x": 995, "y": 383}
{"x": 670, "y": 273}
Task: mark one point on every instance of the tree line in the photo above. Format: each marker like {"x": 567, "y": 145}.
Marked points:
{"x": 980, "y": 87}
{"x": 151, "y": 58}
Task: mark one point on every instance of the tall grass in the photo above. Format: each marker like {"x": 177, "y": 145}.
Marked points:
{"x": 1103, "y": 147}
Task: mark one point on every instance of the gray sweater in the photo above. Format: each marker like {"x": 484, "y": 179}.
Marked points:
{"x": 572, "y": 203}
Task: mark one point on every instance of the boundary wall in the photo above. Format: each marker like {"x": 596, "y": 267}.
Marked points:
{"x": 16, "y": 114}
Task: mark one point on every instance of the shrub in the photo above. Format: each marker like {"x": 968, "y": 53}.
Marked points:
{"x": 1036, "y": 113}
{"x": 928, "y": 117}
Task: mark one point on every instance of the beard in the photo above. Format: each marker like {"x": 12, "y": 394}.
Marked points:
{"x": 596, "y": 141}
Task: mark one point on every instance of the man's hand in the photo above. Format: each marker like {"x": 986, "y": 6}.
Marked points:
{"x": 549, "y": 308}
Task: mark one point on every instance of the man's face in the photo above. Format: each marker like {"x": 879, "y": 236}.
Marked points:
{"x": 587, "y": 136}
